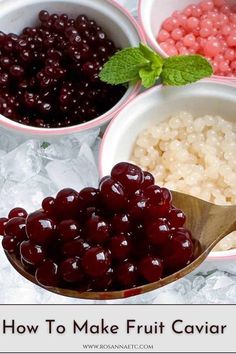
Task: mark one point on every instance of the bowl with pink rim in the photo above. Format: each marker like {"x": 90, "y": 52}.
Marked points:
{"x": 118, "y": 24}
{"x": 152, "y": 13}
{"x": 207, "y": 97}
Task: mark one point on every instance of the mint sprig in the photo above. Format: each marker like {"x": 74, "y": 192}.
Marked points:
{"x": 142, "y": 63}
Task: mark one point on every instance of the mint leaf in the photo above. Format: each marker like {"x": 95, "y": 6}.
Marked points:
{"x": 156, "y": 60}
{"x": 45, "y": 145}
{"x": 183, "y": 70}
{"x": 124, "y": 66}
{"x": 149, "y": 77}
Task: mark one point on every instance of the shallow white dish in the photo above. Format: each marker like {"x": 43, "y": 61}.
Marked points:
{"x": 157, "y": 104}
{"x": 116, "y": 21}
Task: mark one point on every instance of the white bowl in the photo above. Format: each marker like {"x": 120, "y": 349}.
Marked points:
{"x": 116, "y": 21}
{"x": 157, "y": 104}
{"x": 152, "y": 13}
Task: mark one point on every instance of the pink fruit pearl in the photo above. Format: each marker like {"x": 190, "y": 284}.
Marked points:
{"x": 215, "y": 65}
{"x": 218, "y": 58}
{"x": 171, "y": 51}
{"x": 182, "y": 19}
{"x": 163, "y": 35}
{"x": 219, "y": 3}
{"x": 179, "y": 44}
{"x": 167, "y": 25}
{"x": 231, "y": 40}
{"x": 197, "y": 12}
{"x": 224, "y": 66}
{"x": 232, "y": 18}
{"x": 206, "y": 23}
{"x": 212, "y": 48}
{"x": 188, "y": 11}
{"x": 233, "y": 65}
{"x": 170, "y": 23}
{"x": 229, "y": 54}
{"x": 225, "y": 9}
{"x": 223, "y": 19}
{"x": 192, "y": 22}
{"x": 177, "y": 34}
{"x": 183, "y": 51}
{"x": 189, "y": 39}
{"x": 207, "y": 5}
{"x": 225, "y": 30}
{"x": 205, "y": 32}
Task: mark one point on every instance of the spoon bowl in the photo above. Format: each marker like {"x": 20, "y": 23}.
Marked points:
{"x": 209, "y": 223}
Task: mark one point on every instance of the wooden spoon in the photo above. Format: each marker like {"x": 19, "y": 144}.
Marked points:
{"x": 208, "y": 223}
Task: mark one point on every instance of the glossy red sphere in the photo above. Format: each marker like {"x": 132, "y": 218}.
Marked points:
{"x": 158, "y": 232}
{"x": 69, "y": 230}
{"x": 16, "y": 227}
{"x": 120, "y": 247}
{"x": 130, "y": 176}
{"x": 40, "y": 228}
{"x": 31, "y": 253}
{"x": 113, "y": 195}
{"x": 67, "y": 203}
{"x": 96, "y": 262}
{"x": 98, "y": 230}
{"x": 17, "y": 212}
{"x": 47, "y": 274}
{"x": 151, "y": 268}
{"x": 127, "y": 275}
{"x": 71, "y": 270}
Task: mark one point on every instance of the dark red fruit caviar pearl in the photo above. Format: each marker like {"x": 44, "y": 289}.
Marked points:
{"x": 151, "y": 268}
{"x": 71, "y": 270}
{"x": 31, "y": 253}
{"x": 148, "y": 180}
{"x": 120, "y": 247}
{"x": 176, "y": 218}
{"x": 158, "y": 232}
{"x": 98, "y": 230}
{"x": 167, "y": 196}
{"x": 154, "y": 194}
{"x": 178, "y": 252}
{"x": 129, "y": 176}
{"x": 105, "y": 282}
{"x": 181, "y": 230}
{"x": 10, "y": 244}
{"x": 127, "y": 274}
{"x": 48, "y": 205}
{"x": 137, "y": 208}
{"x": 76, "y": 248}
{"x": 16, "y": 227}
{"x": 121, "y": 223}
{"x": 67, "y": 203}
{"x": 96, "y": 262}
{"x": 69, "y": 230}
{"x": 89, "y": 197}
{"x": 17, "y": 212}
{"x": 113, "y": 195}
{"x": 47, "y": 274}
{"x": 3, "y": 222}
{"x": 40, "y": 228}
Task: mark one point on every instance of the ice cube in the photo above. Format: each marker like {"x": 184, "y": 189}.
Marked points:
{"x": 28, "y": 195}
{"x": 76, "y": 173}
{"x": 22, "y": 163}
{"x": 67, "y": 147}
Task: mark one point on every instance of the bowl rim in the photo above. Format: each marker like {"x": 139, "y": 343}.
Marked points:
{"x": 156, "y": 45}
{"x": 134, "y": 90}
{"x": 214, "y": 255}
